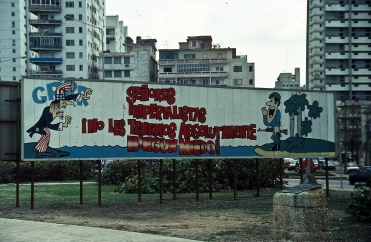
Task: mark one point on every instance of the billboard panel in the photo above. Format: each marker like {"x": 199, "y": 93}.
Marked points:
{"x": 66, "y": 119}
{"x": 10, "y": 106}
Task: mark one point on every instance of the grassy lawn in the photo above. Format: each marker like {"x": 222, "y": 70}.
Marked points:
{"x": 247, "y": 218}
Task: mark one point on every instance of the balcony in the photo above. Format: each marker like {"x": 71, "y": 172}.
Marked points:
{"x": 43, "y": 34}
{"x": 46, "y": 73}
{"x": 37, "y": 47}
{"x": 361, "y": 40}
{"x": 37, "y": 22}
{"x": 193, "y": 74}
{"x": 337, "y": 55}
{"x": 337, "y": 71}
{"x": 36, "y": 8}
{"x": 193, "y": 61}
{"x": 361, "y": 7}
{"x": 45, "y": 60}
{"x": 336, "y": 23}
{"x": 336, "y": 7}
{"x": 336, "y": 40}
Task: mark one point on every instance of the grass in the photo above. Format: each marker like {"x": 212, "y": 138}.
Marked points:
{"x": 51, "y": 196}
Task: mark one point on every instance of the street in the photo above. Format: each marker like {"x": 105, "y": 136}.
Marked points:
{"x": 333, "y": 183}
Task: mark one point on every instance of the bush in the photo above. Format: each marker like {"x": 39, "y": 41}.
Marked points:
{"x": 360, "y": 205}
{"x": 46, "y": 171}
{"x": 124, "y": 174}
{"x": 117, "y": 171}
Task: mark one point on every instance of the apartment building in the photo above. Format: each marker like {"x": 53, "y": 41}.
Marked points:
{"x": 116, "y": 33}
{"x": 340, "y": 48}
{"x": 13, "y": 40}
{"x": 198, "y": 61}
{"x": 138, "y": 63}
{"x": 288, "y": 80}
{"x": 354, "y": 126}
{"x": 53, "y": 38}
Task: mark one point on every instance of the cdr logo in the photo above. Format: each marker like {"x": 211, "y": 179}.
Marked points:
{"x": 41, "y": 95}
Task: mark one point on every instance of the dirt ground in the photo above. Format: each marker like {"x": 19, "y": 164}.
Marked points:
{"x": 208, "y": 220}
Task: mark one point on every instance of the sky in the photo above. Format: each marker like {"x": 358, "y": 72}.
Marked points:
{"x": 271, "y": 33}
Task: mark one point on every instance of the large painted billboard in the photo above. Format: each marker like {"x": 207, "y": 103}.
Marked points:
{"x": 85, "y": 120}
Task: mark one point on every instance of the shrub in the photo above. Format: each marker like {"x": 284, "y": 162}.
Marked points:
{"x": 117, "y": 171}
{"x": 360, "y": 205}
{"x": 46, "y": 171}
{"x": 125, "y": 174}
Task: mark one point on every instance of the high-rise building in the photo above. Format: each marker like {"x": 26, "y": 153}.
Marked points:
{"x": 60, "y": 39}
{"x": 339, "y": 48}
{"x": 13, "y": 40}
{"x": 198, "y": 61}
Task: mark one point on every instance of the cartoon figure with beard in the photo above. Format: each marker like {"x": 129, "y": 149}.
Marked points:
{"x": 272, "y": 118}
{"x": 44, "y": 124}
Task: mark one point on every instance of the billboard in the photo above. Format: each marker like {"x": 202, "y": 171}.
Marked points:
{"x": 85, "y": 120}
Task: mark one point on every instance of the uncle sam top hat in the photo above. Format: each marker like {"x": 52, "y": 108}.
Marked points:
{"x": 60, "y": 91}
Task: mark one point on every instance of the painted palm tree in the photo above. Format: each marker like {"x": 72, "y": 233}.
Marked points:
{"x": 295, "y": 105}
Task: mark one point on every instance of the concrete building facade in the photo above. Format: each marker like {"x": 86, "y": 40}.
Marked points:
{"x": 59, "y": 39}
{"x": 288, "y": 80}
{"x": 354, "y": 126}
{"x": 137, "y": 64}
{"x": 339, "y": 48}
{"x": 13, "y": 40}
{"x": 198, "y": 61}
{"x": 116, "y": 34}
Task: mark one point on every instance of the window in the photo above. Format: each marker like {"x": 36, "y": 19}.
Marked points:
{"x": 69, "y": 17}
{"x": 70, "y": 42}
{"x": 13, "y": 42}
{"x": 237, "y": 68}
{"x": 189, "y": 56}
{"x": 107, "y": 60}
{"x": 81, "y": 67}
{"x": 12, "y": 4}
{"x": 70, "y": 55}
{"x": 80, "y": 4}
{"x": 14, "y": 51}
{"x": 14, "y": 68}
{"x": 237, "y": 82}
{"x": 80, "y": 29}
{"x": 168, "y": 69}
{"x": 126, "y": 73}
{"x": 251, "y": 68}
{"x": 219, "y": 82}
{"x": 81, "y": 55}
{"x": 13, "y": 14}
{"x": 13, "y": 24}
{"x": 251, "y": 82}
{"x": 80, "y": 42}
{"x": 192, "y": 67}
{"x": 116, "y": 73}
{"x": 107, "y": 73}
{"x": 69, "y": 4}
{"x": 219, "y": 55}
{"x": 13, "y": 59}
{"x": 80, "y": 16}
{"x": 219, "y": 68}
{"x": 13, "y": 31}
{"x": 70, "y": 67}
{"x": 194, "y": 43}
{"x": 116, "y": 60}
{"x": 126, "y": 60}
{"x": 70, "y": 30}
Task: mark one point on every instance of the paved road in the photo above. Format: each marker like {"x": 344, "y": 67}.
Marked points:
{"x": 14, "y": 230}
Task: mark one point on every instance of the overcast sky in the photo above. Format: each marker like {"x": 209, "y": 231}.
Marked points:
{"x": 270, "y": 32}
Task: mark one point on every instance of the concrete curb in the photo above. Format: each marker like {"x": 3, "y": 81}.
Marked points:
{"x": 21, "y": 231}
